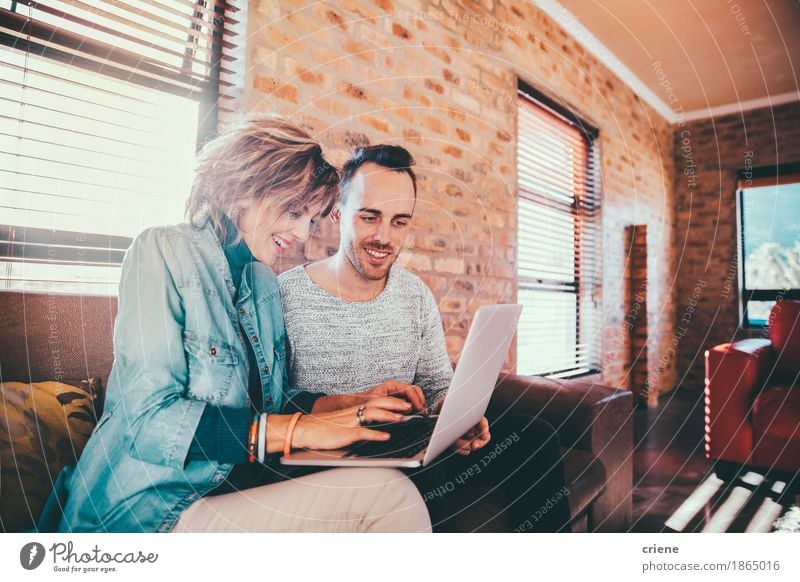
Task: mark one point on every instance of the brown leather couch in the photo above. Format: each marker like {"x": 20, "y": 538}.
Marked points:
{"x": 54, "y": 337}
{"x": 595, "y": 427}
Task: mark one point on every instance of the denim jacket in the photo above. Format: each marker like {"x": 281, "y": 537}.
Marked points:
{"x": 178, "y": 348}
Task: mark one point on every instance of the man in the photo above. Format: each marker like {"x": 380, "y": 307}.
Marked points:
{"x": 355, "y": 320}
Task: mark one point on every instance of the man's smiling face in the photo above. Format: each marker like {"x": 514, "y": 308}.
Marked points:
{"x": 379, "y": 204}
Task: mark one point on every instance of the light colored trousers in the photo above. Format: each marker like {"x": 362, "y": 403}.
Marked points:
{"x": 335, "y": 500}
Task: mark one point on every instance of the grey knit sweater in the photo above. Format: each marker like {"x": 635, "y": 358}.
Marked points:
{"x": 337, "y": 346}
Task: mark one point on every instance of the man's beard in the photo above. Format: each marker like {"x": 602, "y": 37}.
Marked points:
{"x": 360, "y": 260}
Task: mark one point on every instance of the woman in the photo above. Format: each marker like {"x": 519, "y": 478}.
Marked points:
{"x": 197, "y": 402}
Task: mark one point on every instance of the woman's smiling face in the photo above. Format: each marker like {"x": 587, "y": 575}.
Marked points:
{"x": 270, "y": 232}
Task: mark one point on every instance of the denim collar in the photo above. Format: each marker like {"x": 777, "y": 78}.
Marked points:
{"x": 213, "y": 241}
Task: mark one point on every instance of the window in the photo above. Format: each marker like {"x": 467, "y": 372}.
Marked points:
{"x": 558, "y": 240}
{"x": 102, "y": 106}
{"x": 769, "y": 239}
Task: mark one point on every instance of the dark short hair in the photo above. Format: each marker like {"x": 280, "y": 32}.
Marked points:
{"x": 392, "y": 157}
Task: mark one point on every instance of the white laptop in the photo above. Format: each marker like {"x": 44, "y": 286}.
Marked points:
{"x": 418, "y": 440}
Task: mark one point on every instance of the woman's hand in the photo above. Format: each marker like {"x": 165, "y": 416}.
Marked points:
{"x": 334, "y": 430}
{"x": 476, "y": 438}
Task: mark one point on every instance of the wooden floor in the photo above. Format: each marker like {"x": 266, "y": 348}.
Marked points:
{"x": 674, "y": 485}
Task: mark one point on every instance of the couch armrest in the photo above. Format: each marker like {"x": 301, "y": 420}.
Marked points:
{"x": 587, "y": 416}
{"x": 735, "y": 372}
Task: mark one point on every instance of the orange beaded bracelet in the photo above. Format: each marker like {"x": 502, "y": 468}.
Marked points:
{"x": 252, "y": 439}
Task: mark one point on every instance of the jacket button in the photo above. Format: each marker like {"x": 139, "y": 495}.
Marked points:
{"x": 268, "y": 401}
{"x": 241, "y": 311}
{"x": 213, "y": 351}
{"x": 255, "y": 339}
{"x": 266, "y": 369}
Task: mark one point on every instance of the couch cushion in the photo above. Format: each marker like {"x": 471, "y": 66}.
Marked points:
{"x": 44, "y": 426}
{"x": 776, "y": 412}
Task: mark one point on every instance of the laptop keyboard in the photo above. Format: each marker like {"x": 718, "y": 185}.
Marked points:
{"x": 408, "y": 438}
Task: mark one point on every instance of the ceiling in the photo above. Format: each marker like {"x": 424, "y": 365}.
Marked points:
{"x": 693, "y": 58}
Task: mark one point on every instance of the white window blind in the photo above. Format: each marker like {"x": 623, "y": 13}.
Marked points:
{"x": 558, "y": 243}
{"x": 102, "y": 103}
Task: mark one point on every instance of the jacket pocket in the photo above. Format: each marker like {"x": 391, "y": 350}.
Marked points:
{"x": 212, "y": 365}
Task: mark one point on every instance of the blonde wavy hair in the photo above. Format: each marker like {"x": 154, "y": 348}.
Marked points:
{"x": 261, "y": 158}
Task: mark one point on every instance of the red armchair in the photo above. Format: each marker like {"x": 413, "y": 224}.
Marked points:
{"x": 752, "y": 396}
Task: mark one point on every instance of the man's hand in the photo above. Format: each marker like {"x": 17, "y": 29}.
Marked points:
{"x": 406, "y": 392}
{"x": 397, "y": 389}
{"x": 475, "y": 438}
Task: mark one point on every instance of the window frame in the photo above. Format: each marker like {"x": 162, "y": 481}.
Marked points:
{"x": 590, "y": 135}
{"x": 745, "y": 178}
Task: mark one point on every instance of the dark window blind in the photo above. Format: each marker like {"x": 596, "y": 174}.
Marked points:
{"x": 558, "y": 243}
{"x": 102, "y": 106}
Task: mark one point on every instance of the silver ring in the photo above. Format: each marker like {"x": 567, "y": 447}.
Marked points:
{"x": 360, "y": 415}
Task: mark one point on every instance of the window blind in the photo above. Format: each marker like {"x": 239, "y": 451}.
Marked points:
{"x": 558, "y": 242}
{"x": 102, "y": 106}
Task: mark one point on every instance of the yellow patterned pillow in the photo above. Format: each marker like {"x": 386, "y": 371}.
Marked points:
{"x": 43, "y": 427}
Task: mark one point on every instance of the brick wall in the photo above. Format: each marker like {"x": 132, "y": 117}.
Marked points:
{"x": 707, "y": 155}
{"x": 440, "y": 78}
